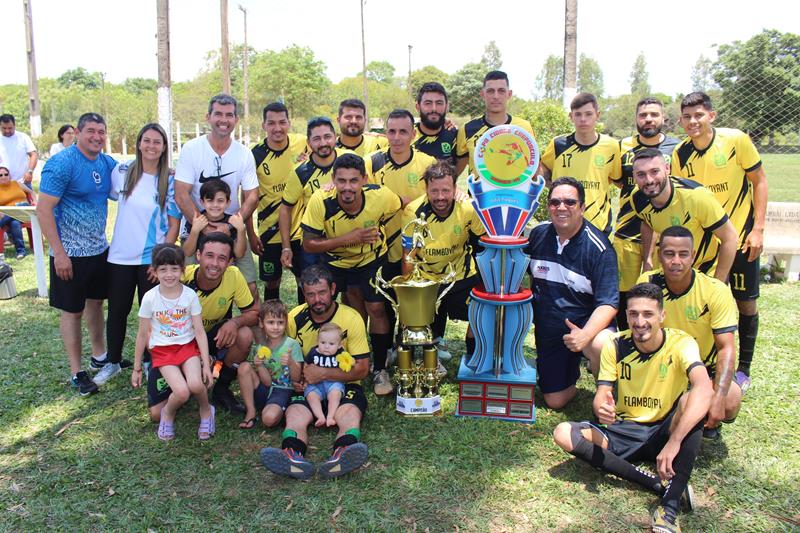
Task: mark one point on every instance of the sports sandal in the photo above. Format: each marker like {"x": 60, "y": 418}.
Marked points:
{"x": 166, "y": 430}
{"x": 207, "y": 427}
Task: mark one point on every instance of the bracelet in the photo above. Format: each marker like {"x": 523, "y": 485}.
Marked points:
{"x": 286, "y": 250}
{"x": 137, "y": 369}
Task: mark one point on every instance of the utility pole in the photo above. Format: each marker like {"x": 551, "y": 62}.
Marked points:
{"x": 33, "y": 81}
{"x": 570, "y": 52}
{"x": 164, "y": 75}
{"x": 364, "y": 61}
{"x": 226, "y": 55}
{"x": 409, "y": 71}
{"x": 244, "y": 80}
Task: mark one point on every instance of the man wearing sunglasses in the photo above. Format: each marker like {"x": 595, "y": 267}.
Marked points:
{"x": 574, "y": 282}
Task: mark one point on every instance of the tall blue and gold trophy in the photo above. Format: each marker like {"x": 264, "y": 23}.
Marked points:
{"x": 497, "y": 381}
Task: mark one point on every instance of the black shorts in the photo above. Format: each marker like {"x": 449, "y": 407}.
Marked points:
{"x": 269, "y": 264}
{"x": 745, "y": 277}
{"x": 157, "y": 388}
{"x": 89, "y": 281}
{"x": 557, "y": 367}
{"x": 635, "y": 441}
{"x": 353, "y": 394}
{"x": 360, "y": 277}
{"x": 455, "y": 304}
{"x": 214, "y": 352}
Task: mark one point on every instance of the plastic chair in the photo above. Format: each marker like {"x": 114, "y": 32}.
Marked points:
{"x": 25, "y": 226}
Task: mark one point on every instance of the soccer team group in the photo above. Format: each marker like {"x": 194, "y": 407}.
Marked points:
{"x": 653, "y": 315}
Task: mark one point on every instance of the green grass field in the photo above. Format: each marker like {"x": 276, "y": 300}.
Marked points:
{"x": 94, "y": 464}
{"x": 783, "y": 176}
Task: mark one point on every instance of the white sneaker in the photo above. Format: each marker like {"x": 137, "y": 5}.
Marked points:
{"x": 382, "y": 383}
{"x": 108, "y": 371}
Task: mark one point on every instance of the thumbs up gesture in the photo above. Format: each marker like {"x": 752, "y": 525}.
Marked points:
{"x": 576, "y": 340}
{"x": 607, "y": 410}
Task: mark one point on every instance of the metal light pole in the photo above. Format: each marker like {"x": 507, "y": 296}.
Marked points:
{"x": 33, "y": 81}
{"x": 245, "y": 82}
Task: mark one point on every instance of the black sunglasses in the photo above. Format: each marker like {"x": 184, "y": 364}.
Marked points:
{"x": 556, "y": 202}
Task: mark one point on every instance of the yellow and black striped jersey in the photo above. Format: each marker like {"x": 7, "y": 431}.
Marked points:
{"x": 692, "y": 206}
{"x": 370, "y": 142}
{"x": 705, "y": 309}
{"x": 722, "y": 168}
{"x": 594, "y": 165}
{"x": 441, "y": 146}
{"x": 450, "y": 239}
{"x": 303, "y": 180}
{"x": 325, "y": 217}
{"x": 649, "y": 385}
{"x": 217, "y": 305}
{"x": 628, "y": 224}
{"x": 405, "y": 180}
{"x": 468, "y": 135}
{"x": 301, "y": 326}
{"x": 273, "y": 168}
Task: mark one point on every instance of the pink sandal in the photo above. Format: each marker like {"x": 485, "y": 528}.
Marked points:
{"x": 166, "y": 430}
{"x": 207, "y": 426}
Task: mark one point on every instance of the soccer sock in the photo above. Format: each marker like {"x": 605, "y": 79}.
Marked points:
{"x": 622, "y": 318}
{"x": 226, "y": 376}
{"x": 291, "y": 441}
{"x": 438, "y": 326}
{"x": 271, "y": 294}
{"x": 682, "y": 465}
{"x": 380, "y": 345}
{"x": 748, "y": 331}
{"x": 345, "y": 440}
{"x": 599, "y": 457}
{"x": 100, "y": 358}
{"x": 470, "y": 342}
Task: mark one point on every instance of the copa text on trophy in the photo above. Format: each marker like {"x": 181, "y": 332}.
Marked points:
{"x": 416, "y": 303}
{"x": 496, "y": 381}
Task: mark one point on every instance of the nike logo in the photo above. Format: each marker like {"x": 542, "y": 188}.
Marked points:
{"x": 204, "y": 179}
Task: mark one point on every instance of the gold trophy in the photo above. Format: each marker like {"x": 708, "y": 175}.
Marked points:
{"x": 416, "y": 305}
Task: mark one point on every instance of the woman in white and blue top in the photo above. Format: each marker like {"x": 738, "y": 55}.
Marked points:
{"x": 146, "y": 215}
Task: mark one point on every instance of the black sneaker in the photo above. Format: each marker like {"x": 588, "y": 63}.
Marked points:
{"x": 345, "y": 459}
{"x": 712, "y": 433}
{"x": 95, "y": 365}
{"x": 223, "y": 398}
{"x": 84, "y": 383}
{"x": 125, "y": 363}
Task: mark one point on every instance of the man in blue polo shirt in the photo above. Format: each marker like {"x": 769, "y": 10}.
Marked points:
{"x": 72, "y": 210}
{"x": 574, "y": 282}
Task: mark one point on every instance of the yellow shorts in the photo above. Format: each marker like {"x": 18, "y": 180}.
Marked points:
{"x": 629, "y": 262}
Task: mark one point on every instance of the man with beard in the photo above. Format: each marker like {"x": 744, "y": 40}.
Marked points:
{"x": 590, "y": 157}
{"x": 303, "y": 180}
{"x": 17, "y": 151}
{"x": 217, "y": 156}
{"x": 495, "y": 94}
{"x": 303, "y": 324}
{"x": 275, "y": 158}
{"x": 704, "y": 308}
{"x": 348, "y": 227}
{"x": 726, "y": 161}
{"x": 663, "y": 201}
{"x": 654, "y": 416}
{"x": 627, "y": 239}
{"x": 352, "y": 122}
{"x": 433, "y": 137}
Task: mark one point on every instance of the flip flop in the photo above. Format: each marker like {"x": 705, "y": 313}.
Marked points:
{"x": 166, "y": 430}
{"x": 207, "y": 427}
{"x": 250, "y": 423}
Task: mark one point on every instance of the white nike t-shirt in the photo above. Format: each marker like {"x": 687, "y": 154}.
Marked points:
{"x": 199, "y": 163}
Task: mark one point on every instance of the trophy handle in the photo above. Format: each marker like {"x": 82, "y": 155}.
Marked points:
{"x": 449, "y": 278}
{"x": 379, "y": 284}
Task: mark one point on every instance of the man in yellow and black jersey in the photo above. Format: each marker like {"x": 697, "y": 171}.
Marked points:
{"x": 347, "y": 226}
{"x": 304, "y": 323}
{"x": 453, "y": 229}
{"x": 704, "y": 308}
{"x": 653, "y": 416}
{"x": 495, "y": 94}
{"x": 727, "y": 163}
{"x": 352, "y": 122}
{"x": 219, "y": 287}
{"x": 627, "y": 240}
{"x": 303, "y": 180}
{"x": 275, "y": 157}
{"x": 590, "y": 157}
{"x": 399, "y": 168}
{"x": 433, "y": 137}
{"x": 662, "y": 201}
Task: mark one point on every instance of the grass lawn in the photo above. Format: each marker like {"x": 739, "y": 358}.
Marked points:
{"x": 95, "y": 464}
{"x": 783, "y": 176}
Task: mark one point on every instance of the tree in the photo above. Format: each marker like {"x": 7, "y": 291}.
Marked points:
{"x": 702, "y": 75}
{"x": 550, "y": 81}
{"x": 380, "y": 71}
{"x": 140, "y": 85}
{"x": 293, "y": 75}
{"x": 81, "y": 78}
{"x": 590, "y": 76}
{"x": 465, "y": 88}
{"x": 491, "y": 57}
{"x": 639, "y": 84}
{"x": 760, "y": 82}
{"x": 427, "y": 74}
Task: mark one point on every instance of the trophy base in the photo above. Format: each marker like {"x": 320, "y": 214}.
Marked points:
{"x": 429, "y": 406}
{"x": 507, "y": 397}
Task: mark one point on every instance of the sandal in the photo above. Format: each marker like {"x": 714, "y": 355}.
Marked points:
{"x": 207, "y": 427}
{"x": 250, "y": 423}
{"x": 166, "y": 430}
